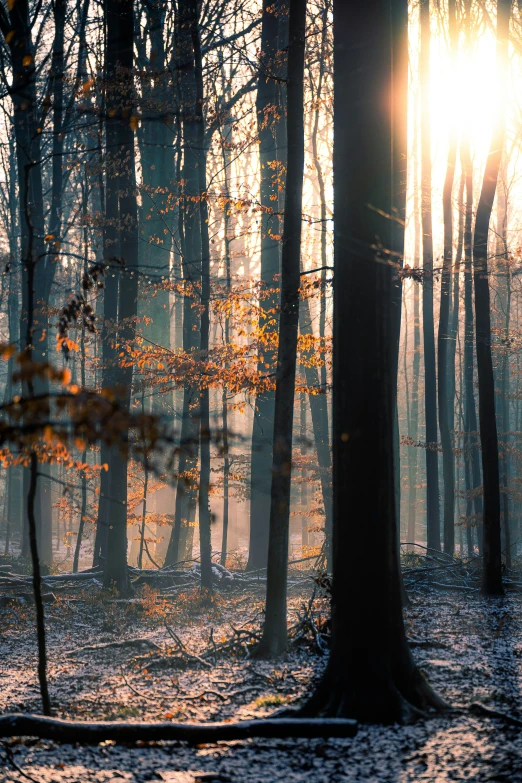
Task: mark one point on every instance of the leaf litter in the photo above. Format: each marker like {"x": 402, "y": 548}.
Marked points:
{"x": 146, "y": 660}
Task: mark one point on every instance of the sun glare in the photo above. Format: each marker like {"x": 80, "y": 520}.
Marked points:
{"x": 462, "y": 101}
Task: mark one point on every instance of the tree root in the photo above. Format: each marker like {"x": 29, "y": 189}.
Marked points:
{"x": 16, "y": 725}
{"x": 478, "y": 709}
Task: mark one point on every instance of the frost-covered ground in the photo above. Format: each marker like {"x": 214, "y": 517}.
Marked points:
{"x": 470, "y": 650}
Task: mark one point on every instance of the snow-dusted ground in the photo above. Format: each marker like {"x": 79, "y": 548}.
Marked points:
{"x": 469, "y": 648}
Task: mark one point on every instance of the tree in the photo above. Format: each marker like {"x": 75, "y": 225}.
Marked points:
{"x": 263, "y": 423}
{"x": 122, "y": 297}
{"x": 492, "y": 572}
{"x": 371, "y": 674}
{"x": 430, "y": 380}
{"x": 274, "y": 637}
{"x": 446, "y": 372}
{"x": 190, "y": 244}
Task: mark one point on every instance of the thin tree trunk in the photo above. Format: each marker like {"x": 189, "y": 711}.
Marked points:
{"x": 190, "y": 242}
{"x": 224, "y": 403}
{"x": 304, "y": 473}
{"x": 205, "y": 533}
{"x": 319, "y": 412}
{"x": 430, "y": 380}
{"x": 274, "y": 637}
{"x": 413, "y": 424}
{"x": 504, "y": 265}
{"x": 83, "y": 503}
{"x": 120, "y": 141}
{"x": 324, "y": 435}
{"x": 263, "y": 423}
{"x": 445, "y": 399}
{"x": 492, "y": 571}
{"x": 470, "y": 414}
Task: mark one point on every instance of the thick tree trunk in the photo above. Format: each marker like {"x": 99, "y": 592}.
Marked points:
{"x": 371, "y": 674}
{"x": 492, "y": 571}
{"x": 274, "y": 637}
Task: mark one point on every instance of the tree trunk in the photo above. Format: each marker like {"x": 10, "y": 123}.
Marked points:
{"x": 323, "y": 264}
{"x": 371, "y": 674}
{"x": 205, "y": 533}
{"x": 445, "y": 399}
{"x": 263, "y": 423}
{"x": 430, "y": 380}
{"x": 470, "y": 414}
{"x": 304, "y": 473}
{"x": 504, "y": 267}
{"x": 156, "y": 136}
{"x": 413, "y": 423}
{"x": 319, "y": 411}
{"x": 31, "y": 210}
{"x": 492, "y": 570}
{"x": 83, "y": 502}
{"x": 120, "y": 144}
{"x": 227, "y": 132}
{"x": 190, "y": 241}
{"x": 274, "y": 637}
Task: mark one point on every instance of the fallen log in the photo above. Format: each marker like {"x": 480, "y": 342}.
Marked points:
{"x": 92, "y": 732}
{"x": 66, "y": 577}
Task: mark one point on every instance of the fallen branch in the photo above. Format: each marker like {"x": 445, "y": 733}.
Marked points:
{"x": 183, "y": 650}
{"x": 10, "y": 757}
{"x": 27, "y": 725}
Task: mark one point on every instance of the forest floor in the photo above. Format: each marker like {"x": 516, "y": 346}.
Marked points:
{"x": 469, "y": 648}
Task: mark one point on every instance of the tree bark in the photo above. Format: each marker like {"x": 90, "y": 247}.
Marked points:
{"x": 120, "y": 143}
{"x": 101, "y": 731}
{"x": 263, "y": 423}
{"x": 504, "y": 268}
{"x": 430, "y": 374}
{"x": 413, "y": 423}
{"x": 470, "y": 413}
{"x": 190, "y": 241}
{"x": 445, "y": 399}
{"x": 274, "y": 637}
{"x": 371, "y": 674}
{"x": 205, "y": 533}
{"x": 492, "y": 563}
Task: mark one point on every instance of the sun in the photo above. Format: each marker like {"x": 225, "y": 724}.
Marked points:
{"x": 463, "y": 90}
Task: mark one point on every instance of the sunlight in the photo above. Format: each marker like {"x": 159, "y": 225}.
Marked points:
{"x": 459, "y": 93}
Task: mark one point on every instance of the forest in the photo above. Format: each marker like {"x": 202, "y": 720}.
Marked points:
{"x": 260, "y": 391}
